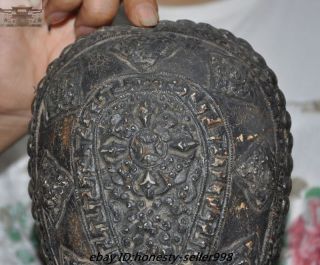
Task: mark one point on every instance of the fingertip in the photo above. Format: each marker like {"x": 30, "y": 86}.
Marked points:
{"x": 142, "y": 13}
{"x": 97, "y": 13}
{"x": 147, "y": 15}
{"x": 57, "y": 11}
{"x": 56, "y": 17}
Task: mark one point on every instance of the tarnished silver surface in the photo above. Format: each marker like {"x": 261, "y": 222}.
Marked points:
{"x": 171, "y": 140}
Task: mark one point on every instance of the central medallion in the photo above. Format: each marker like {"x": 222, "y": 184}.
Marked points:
{"x": 147, "y": 148}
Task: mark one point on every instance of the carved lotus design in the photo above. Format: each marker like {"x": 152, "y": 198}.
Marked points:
{"x": 151, "y": 151}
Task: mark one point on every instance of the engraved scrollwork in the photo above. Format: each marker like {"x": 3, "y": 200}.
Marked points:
{"x": 55, "y": 188}
{"x": 256, "y": 177}
{"x": 65, "y": 95}
{"x": 141, "y": 57}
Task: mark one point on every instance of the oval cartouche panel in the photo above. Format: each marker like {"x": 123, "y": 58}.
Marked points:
{"x": 160, "y": 145}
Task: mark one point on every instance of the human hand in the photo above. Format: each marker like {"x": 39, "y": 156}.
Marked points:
{"x": 26, "y": 52}
{"x": 91, "y": 14}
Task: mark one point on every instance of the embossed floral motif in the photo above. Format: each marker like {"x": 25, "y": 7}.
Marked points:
{"x": 237, "y": 84}
{"x": 63, "y": 96}
{"x": 150, "y": 150}
{"x": 141, "y": 57}
{"x": 56, "y": 188}
{"x": 256, "y": 176}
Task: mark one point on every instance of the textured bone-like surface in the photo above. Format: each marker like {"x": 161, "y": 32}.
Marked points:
{"x": 166, "y": 140}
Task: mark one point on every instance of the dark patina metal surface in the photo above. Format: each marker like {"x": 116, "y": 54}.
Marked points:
{"x": 166, "y": 140}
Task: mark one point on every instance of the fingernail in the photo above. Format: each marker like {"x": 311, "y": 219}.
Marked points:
{"x": 147, "y": 14}
{"x": 83, "y": 30}
{"x": 56, "y": 17}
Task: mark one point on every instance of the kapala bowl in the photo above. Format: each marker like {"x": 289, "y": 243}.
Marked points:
{"x": 171, "y": 140}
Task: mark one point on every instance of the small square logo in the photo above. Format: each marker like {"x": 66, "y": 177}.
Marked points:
{"x": 21, "y": 13}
